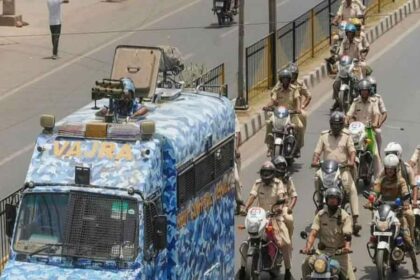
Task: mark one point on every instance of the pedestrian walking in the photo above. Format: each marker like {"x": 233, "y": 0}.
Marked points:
{"x": 54, "y": 8}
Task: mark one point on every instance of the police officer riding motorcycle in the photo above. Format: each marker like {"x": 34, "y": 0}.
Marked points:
{"x": 224, "y": 11}
{"x": 332, "y": 226}
{"x": 270, "y": 191}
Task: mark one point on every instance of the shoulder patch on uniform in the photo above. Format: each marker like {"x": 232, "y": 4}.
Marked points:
{"x": 357, "y": 99}
{"x": 345, "y": 131}
{"x": 258, "y": 181}
{"x": 344, "y": 213}
{"x": 292, "y": 86}
{"x": 277, "y": 180}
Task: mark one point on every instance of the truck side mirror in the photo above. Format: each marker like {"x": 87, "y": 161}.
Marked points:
{"x": 160, "y": 232}
{"x": 10, "y": 219}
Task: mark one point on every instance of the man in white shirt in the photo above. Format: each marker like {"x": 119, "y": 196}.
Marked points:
{"x": 54, "y": 8}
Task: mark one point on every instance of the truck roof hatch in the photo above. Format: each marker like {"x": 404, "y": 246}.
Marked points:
{"x": 141, "y": 64}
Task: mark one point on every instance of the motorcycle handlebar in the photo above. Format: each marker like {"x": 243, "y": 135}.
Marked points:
{"x": 340, "y": 165}
{"x": 271, "y": 109}
{"x": 338, "y": 252}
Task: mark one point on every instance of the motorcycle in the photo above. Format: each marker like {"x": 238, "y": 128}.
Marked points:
{"x": 261, "y": 257}
{"x": 416, "y": 212}
{"x": 364, "y": 141}
{"x": 284, "y": 135}
{"x": 331, "y": 177}
{"x": 349, "y": 73}
{"x": 335, "y": 48}
{"x": 324, "y": 266}
{"x": 222, "y": 8}
{"x": 386, "y": 245}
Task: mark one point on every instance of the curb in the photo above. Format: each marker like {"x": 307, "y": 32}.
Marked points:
{"x": 257, "y": 122}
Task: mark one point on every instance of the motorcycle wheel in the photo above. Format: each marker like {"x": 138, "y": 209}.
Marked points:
{"x": 264, "y": 275}
{"x": 251, "y": 267}
{"x": 342, "y": 101}
{"x": 220, "y": 19}
{"x": 417, "y": 238}
{"x": 290, "y": 162}
{"x": 381, "y": 265}
{"x": 277, "y": 151}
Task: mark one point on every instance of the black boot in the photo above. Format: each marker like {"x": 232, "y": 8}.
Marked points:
{"x": 287, "y": 275}
{"x": 415, "y": 266}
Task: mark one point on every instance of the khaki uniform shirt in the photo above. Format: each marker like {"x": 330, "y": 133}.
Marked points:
{"x": 285, "y": 97}
{"x": 335, "y": 148}
{"x": 416, "y": 159}
{"x": 330, "y": 230}
{"x": 348, "y": 12}
{"x": 351, "y": 49}
{"x": 381, "y": 104}
{"x": 357, "y": 2}
{"x": 302, "y": 89}
{"x": 391, "y": 188}
{"x": 364, "y": 112}
{"x": 268, "y": 195}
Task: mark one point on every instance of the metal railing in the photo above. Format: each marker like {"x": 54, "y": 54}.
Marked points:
{"x": 299, "y": 40}
{"x": 13, "y": 199}
{"x": 213, "y": 80}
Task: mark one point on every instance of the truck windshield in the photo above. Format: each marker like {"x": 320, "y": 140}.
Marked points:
{"x": 80, "y": 224}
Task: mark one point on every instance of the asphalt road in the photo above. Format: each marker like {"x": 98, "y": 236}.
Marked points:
{"x": 395, "y": 71}
{"x": 30, "y": 85}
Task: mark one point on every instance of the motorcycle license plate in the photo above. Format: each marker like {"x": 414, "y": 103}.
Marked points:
{"x": 378, "y": 233}
{"x": 325, "y": 275}
{"x": 220, "y": 4}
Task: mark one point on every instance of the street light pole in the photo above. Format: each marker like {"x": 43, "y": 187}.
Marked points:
{"x": 272, "y": 14}
{"x": 241, "y": 103}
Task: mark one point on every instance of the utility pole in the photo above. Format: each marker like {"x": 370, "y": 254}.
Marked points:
{"x": 272, "y": 15}
{"x": 241, "y": 102}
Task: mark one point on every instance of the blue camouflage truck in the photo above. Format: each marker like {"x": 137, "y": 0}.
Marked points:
{"x": 147, "y": 198}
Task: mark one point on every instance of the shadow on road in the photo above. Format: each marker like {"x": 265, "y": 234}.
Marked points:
{"x": 369, "y": 272}
{"x": 217, "y": 26}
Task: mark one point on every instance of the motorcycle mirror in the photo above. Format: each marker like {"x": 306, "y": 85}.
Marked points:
{"x": 241, "y": 227}
{"x": 366, "y": 194}
{"x": 303, "y": 235}
{"x": 398, "y": 202}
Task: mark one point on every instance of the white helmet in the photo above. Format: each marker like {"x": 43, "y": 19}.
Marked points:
{"x": 391, "y": 161}
{"x": 394, "y": 148}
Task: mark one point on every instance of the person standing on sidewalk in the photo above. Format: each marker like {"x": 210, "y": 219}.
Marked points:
{"x": 54, "y": 9}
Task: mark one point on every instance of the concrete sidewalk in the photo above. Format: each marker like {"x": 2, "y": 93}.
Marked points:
{"x": 253, "y": 120}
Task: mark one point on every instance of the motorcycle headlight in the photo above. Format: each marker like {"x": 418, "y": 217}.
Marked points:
{"x": 320, "y": 266}
{"x": 382, "y": 226}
